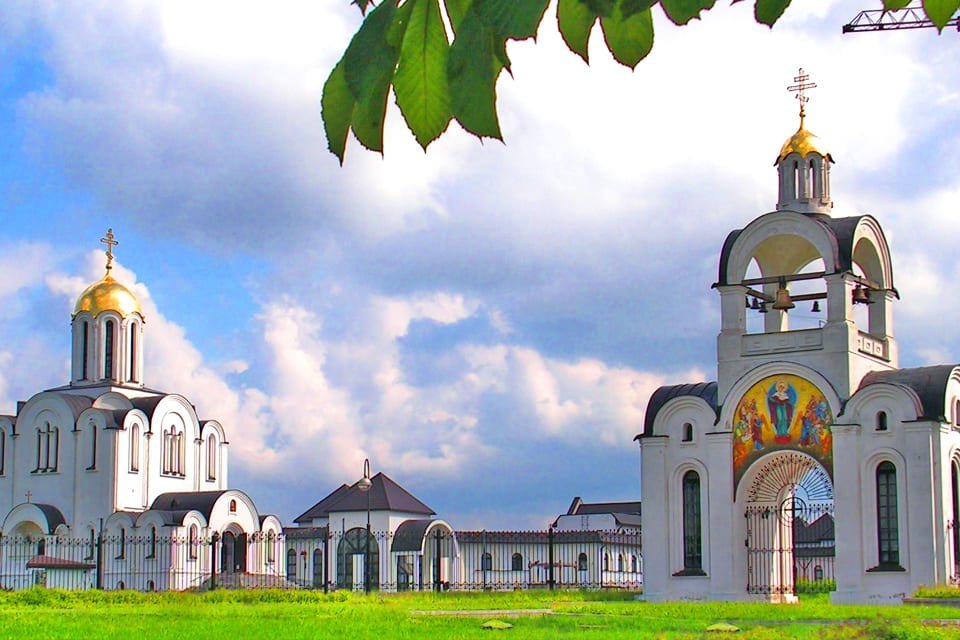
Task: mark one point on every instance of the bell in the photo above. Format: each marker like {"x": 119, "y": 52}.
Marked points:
{"x": 861, "y": 295}
{"x": 763, "y": 307}
{"x": 746, "y": 302}
{"x": 783, "y": 301}
{"x": 755, "y": 304}
{"x": 816, "y": 307}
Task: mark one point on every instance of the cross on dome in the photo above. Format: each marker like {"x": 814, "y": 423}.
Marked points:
{"x": 802, "y": 80}
{"x": 111, "y": 243}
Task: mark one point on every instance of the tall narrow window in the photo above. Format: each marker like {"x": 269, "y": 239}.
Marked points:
{"x": 181, "y": 454}
{"x": 211, "y": 457}
{"x": 194, "y": 541}
{"x": 54, "y": 460}
{"x": 93, "y": 447}
{"x": 135, "y": 448}
{"x": 291, "y": 564}
{"x": 692, "y": 553}
{"x": 271, "y": 546}
{"x": 152, "y": 548}
{"x": 122, "y": 545}
{"x": 84, "y": 349}
{"x": 881, "y": 421}
{"x": 133, "y": 352}
{"x": 108, "y": 336}
{"x": 582, "y": 562}
{"x": 516, "y": 562}
{"x": 687, "y": 432}
{"x": 955, "y": 485}
{"x": 486, "y": 562}
{"x": 3, "y": 452}
{"x": 888, "y": 533}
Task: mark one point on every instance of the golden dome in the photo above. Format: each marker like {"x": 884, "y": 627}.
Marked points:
{"x": 803, "y": 142}
{"x": 107, "y": 295}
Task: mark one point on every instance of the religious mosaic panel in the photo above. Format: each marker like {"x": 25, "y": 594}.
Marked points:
{"x": 781, "y": 412}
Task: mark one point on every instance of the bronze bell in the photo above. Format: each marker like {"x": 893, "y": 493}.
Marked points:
{"x": 861, "y": 295}
{"x": 783, "y": 301}
{"x": 816, "y": 307}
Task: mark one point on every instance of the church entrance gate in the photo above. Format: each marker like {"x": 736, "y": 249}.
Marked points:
{"x": 789, "y": 526}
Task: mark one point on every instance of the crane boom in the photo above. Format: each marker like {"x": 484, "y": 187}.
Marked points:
{"x": 906, "y": 18}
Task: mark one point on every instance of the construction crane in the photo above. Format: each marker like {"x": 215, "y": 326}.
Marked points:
{"x": 907, "y": 18}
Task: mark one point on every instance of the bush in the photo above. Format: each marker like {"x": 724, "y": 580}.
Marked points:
{"x": 815, "y": 586}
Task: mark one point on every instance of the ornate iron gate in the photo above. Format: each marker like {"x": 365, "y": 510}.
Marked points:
{"x": 789, "y": 526}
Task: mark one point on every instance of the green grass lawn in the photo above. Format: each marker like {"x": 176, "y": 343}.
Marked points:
{"x": 233, "y": 615}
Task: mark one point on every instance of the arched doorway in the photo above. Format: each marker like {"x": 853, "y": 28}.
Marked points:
{"x": 788, "y": 509}
{"x": 233, "y": 552}
{"x": 355, "y": 559}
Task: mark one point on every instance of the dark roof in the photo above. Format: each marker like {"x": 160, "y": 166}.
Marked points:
{"x": 305, "y": 533}
{"x": 52, "y": 514}
{"x": 409, "y": 535}
{"x": 201, "y": 501}
{"x": 578, "y": 508}
{"x": 384, "y": 495}
{"x": 52, "y": 562}
{"x": 840, "y": 230}
{"x": 147, "y": 404}
{"x": 77, "y": 404}
{"x": 706, "y": 391}
{"x": 627, "y": 519}
{"x": 929, "y": 383}
{"x": 820, "y": 530}
{"x": 542, "y": 537}
{"x": 321, "y": 509}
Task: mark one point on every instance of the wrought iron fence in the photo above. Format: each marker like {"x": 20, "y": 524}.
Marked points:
{"x": 788, "y": 545}
{"x": 315, "y": 558}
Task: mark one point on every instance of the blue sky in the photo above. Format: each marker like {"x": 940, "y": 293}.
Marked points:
{"x": 484, "y": 321}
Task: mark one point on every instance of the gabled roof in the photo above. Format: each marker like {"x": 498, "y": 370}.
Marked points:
{"x": 929, "y": 383}
{"x": 322, "y": 508}
{"x": 201, "y": 501}
{"x": 384, "y": 495}
{"x": 580, "y": 508}
{"x": 706, "y": 391}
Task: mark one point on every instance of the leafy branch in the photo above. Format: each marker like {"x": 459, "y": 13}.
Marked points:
{"x": 443, "y": 57}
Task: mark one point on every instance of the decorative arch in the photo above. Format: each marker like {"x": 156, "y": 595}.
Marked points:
{"x": 357, "y": 542}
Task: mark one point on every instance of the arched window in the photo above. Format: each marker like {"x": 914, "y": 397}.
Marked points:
{"x": 193, "y": 541}
{"x": 634, "y": 567}
{"x": 91, "y": 544}
{"x": 93, "y": 446}
{"x": 687, "y": 432}
{"x": 888, "y": 532}
{"x": 582, "y": 562}
{"x": 121, "y": 586}
{"x": 818, "y": 573}
{"x": 271, "y": 546}
{"x": 692, "y": 554}
{"x": 151, "y": 586}
{"x": 956, "y": 412}
{"x": 606, "y": 562}
{"x": 955, "y": 504}
{"x": 152, "y": 548}
{"x": 84, "y": 350}
{"x": 3, "y": 452}
{"x": 291, "y": 564}
{"x": 134, "y": 352}
{"x": 108, "y": 349}
{"x": 881, "y": 421}
{"x": 174, "y": 451}
{"x": 516, "y": 562}
{"x": 135, "y": 448}
{"x": 122, "y": 545}
{"x": 48, "y": 448}
{"x": 486, "y": 562}
{"x": 211, "y": 457}
{"x": 620, "y": 566}
{"x": 319, "y": 577}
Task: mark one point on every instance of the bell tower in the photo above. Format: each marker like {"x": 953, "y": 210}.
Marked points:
{"x": 799, "y": 261}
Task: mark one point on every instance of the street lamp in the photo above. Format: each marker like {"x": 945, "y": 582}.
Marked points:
{"x": 364, "y": 485}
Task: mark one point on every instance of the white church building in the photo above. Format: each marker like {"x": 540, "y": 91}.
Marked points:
{"x": 813, "y": 454}
{"x": 106, "y": 482}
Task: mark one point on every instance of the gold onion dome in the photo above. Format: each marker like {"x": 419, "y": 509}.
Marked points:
{"x": 803, "y": 142}
{"x": 107, "y": 295}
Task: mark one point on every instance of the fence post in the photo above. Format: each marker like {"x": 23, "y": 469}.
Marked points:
{"x": 326, "y": 561}
{"x": 99, "y": 556}
{"x": 551, "y": 578}
{"x": 436, "y": 563}
{"x": 213, "y": 560}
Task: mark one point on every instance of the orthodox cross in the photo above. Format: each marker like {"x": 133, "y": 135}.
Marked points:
{"x": 28, "y": 494}
{"x": 802, "y": 80}
{"x": 111, "y": 243}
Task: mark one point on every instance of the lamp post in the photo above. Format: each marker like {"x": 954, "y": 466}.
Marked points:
{"x": 364, "y": 485}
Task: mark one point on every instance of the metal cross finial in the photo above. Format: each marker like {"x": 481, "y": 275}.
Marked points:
{"x": 111, "y": 243}
{"x": 28, "y": 494}
{"x": 802, "y": 80}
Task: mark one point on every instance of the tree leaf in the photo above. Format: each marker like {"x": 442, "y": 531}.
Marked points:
{"x": 602, "y": 8}
{"x": 940, "y": 11}
{"x": 420, "y": 83}
{"x": 575, "y": 21}
{"x": 369, "y": 55}
{"x": 890, "y": 5}
{"x": 683, "y": 11}
{"x": 472, "y": 71}
{"x": 629, "y": 40}
{"x": 769, "y": 11}
{"x": 630, "y": 7}
{"x": 369, "y": 64}
{"x": 456, "y": 9}
{"x": 336, "y": 109}
{"x": 510, "y": 18}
